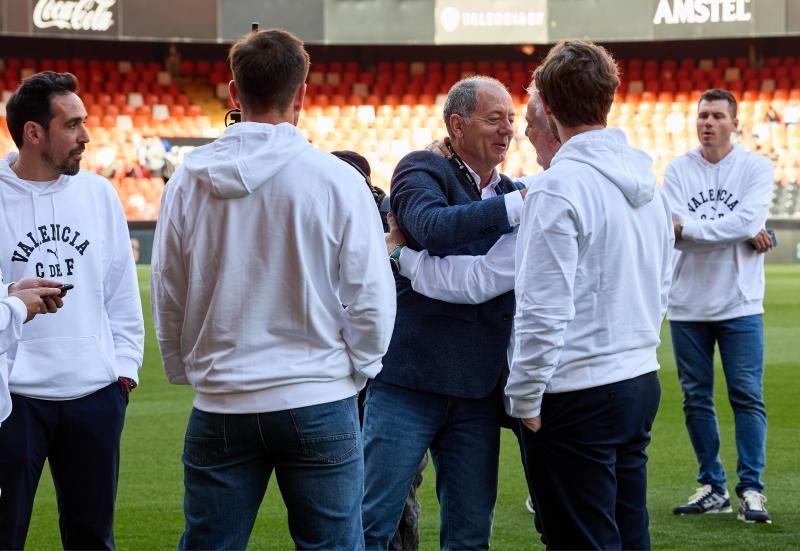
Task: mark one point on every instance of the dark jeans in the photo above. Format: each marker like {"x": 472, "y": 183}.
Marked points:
{"x": 317, "y": 456}
{"x": 587, "y": 465}
{"x": 80, "y": 439}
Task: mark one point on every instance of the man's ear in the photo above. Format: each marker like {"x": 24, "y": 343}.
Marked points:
{"x": 234, "y": 93}
{"x": 546, "y": 107}
{"x": 457, "y": 123}
{"x": 33, "y": 133}
{"x": 299, "y": 97}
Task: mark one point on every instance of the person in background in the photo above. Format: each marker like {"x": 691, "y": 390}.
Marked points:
{"x": 720, "y": 195}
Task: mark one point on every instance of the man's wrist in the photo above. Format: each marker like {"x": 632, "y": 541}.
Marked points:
{"x": 127, "y": 383}
{"x": 394, "y": 258}
{"x": 678, "y": 229}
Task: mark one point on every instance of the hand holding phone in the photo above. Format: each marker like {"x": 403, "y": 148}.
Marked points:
{"x": 64, "y": 288}
{"x": 773, "y": 238}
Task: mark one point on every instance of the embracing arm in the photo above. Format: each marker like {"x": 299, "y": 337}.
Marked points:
{"x": 462, "y": 279}
{"x": 419, "y": 198}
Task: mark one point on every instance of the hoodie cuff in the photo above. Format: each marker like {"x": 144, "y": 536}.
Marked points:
{"x": 514, "y": 205}
{"x": 18, "y": 309}
{"x": 524, "y": 408}
{"x": 128, "y": 367}
{"x": 691, "y": 230}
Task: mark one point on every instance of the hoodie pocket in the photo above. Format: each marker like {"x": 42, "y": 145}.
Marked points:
{"x": 60, "y": 367}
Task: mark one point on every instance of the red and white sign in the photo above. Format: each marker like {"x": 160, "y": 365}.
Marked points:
{"x": 74, "y": 15}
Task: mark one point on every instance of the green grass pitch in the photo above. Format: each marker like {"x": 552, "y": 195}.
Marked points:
{"x": 149, "y": 514}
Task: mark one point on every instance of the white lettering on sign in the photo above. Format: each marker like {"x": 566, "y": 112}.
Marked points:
{"x": 701, "y": 11}
{"x": 74, "y": 15}
{"x": 451, "y": 18}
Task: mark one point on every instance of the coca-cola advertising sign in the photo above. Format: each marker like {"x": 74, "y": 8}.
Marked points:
{"x": 75, "y": 16}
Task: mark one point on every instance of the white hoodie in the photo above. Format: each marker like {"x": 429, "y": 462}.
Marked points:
{"x": 261, "y": 240}
{"x": 72, "y": 230}
{"x": 12, "y": 316}
{"x": 593, "y": 271}
{"x": 717, "y": 273}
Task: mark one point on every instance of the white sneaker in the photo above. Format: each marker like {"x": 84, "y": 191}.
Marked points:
{"x": 705, "y": 500}
{"x": 529, "y": 505}
{"x": 751, "y": 507}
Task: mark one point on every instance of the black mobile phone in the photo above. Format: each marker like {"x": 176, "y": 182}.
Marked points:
{"x": 64, "y": 288}
{"x": 774, "y": 239}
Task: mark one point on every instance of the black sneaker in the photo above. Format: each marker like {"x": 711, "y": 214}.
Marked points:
{"x": 751, "y": 507}
{"x": 705, "y": 500}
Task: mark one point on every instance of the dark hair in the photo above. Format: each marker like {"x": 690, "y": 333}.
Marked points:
{"x": 31, "y": 101}
{"x": 462, "y": 99}
{"x": 718, "y": 93}
{"x": 267, "y": 67}
{"x": 578, "y": 80}
{"x": 361, "y": 164}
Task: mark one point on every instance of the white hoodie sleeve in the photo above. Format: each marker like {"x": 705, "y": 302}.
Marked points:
{"x": 675, "y": 195}
{"x": 462, "y": 279}
{"x": 666, "y": 260}
{"x": 546, "y": 263}
{"x": 735, "y": 227}
{"x": 366, "y": 287}
{"x": 168, "y": 284}
{"x": 12, "y": 316}
{"x": 122, "y": 300}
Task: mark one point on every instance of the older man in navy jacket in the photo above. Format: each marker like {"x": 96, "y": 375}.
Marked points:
{"x": 439, "y": 385}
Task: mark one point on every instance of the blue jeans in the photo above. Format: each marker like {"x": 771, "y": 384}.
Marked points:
{"x": 463, "y": 435}
{"x": 741, "y": 347}
{"x": 317, "y": 456}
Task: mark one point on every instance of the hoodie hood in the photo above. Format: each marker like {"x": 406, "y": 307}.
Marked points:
{"x": 696, "y": 155}
{"x": 245, "y": 157}
{"x": 608, "y": 152}
{"x": 10, "y": 179}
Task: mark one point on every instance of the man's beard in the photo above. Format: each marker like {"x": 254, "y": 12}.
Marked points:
{"x": 68, "y": 167}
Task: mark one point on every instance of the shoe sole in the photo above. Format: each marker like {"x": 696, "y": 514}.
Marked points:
{"x": 741, "y": 517}
{"x": 709, "y": 512}
{"x": 530, "y": 509}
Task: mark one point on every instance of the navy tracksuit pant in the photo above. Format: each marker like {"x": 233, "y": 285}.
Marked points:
{"x": 80, "y": 439}
{"x": 587, "y": 465}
